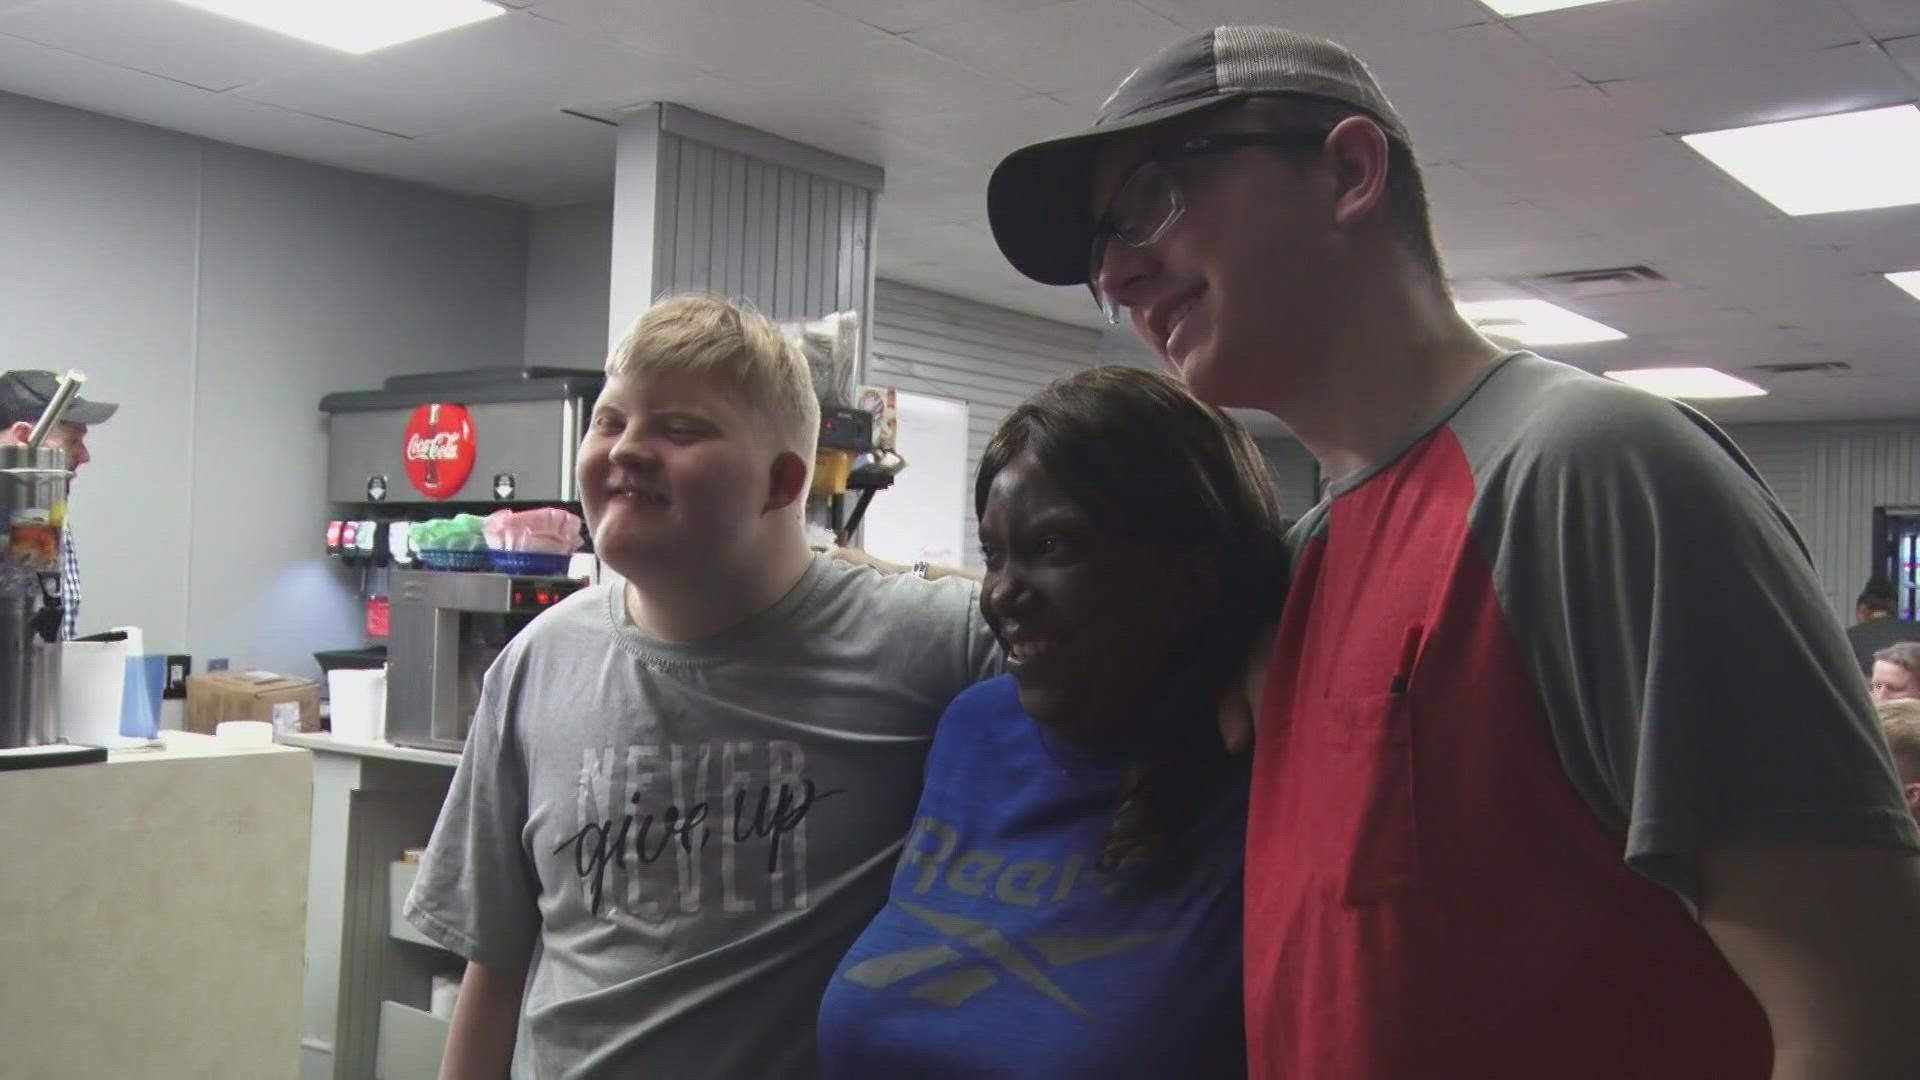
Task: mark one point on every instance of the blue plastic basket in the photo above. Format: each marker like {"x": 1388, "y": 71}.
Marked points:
{"x": 438, "y": 559}
{"x": 530, "y": 563}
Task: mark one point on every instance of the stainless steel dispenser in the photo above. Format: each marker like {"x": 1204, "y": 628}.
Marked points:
{"x": 33, "y": 499}
{"x": 446, "y": 629}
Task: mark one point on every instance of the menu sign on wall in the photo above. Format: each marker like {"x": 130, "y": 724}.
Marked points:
{"x": 439, "y": 449}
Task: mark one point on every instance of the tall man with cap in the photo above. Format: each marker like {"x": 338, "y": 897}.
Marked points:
{"x": 23, "y": 397}
{"x": 1562, "y": 767}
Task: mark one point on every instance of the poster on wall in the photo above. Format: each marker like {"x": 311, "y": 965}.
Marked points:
{"x": 923, "y": 516}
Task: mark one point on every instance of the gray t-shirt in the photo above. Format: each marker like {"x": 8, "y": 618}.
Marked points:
{"x": 680, "y": 841}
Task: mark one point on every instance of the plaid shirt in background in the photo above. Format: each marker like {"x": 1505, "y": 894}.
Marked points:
{"x": 69, "y": 588}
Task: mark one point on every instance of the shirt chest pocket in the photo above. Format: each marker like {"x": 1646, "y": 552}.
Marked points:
{"x": 1358, "y": 810}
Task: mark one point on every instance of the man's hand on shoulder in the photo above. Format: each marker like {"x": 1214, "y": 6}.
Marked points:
{"x": 857, "y": 557}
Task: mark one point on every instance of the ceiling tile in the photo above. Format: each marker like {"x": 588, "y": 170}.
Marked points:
{"x": 1636, "y": 40}
{"x": 735, "y": 38}
{"x": 513, "y": 64}
{"x": 1433, "y": 66}
{"x": 988, "y": 131}
{"x": 69, "y": 79}
{"x": 166, "y": 39}
{"x": 1875, "y": 241}
{"x": 1347, "y": 21}
{"x": 902, "y": 16}
{"x": 1886, "y": 19}
{"x": 1907, "y": 53}
{"x": 1474, "y": 126}
{"x": 564, "y": 145}
{"x": 890, "y": 81}
{"x": 1077, "y": 45}
{"x": 1839, "y": 79}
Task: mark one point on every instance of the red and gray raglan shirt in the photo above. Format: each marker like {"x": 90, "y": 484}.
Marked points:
{"x": 1532, "y": 664}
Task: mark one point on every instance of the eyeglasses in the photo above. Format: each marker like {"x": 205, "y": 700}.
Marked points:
{"x": 1150, "y": 199}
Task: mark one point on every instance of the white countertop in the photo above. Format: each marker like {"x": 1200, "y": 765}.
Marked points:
{"x": 322, "y": 742}
{"x": 177, "y": 746}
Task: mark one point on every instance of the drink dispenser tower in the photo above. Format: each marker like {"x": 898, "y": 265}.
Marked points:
{"x": 33, "y": 499}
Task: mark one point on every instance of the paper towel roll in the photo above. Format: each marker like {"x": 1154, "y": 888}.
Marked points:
{"x": 93, "y": 682}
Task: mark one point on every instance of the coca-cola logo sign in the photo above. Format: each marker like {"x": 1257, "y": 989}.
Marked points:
{"x": 439, "y": 449}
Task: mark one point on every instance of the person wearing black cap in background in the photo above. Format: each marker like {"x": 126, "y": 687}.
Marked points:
{"x": 1563, "y": 766}
{"x": 23, "y": 397}
{"x": 1877, "y": 625}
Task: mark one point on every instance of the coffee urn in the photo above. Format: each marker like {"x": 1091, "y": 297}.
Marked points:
{"x": 33, "y": 502}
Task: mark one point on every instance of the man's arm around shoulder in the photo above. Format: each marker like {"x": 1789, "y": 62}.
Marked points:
{"x": 485, "y": 1019}
{"x": 1828, "y": 939}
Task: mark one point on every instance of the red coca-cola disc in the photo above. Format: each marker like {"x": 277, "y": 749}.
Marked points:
{"x": 439, "y": 449}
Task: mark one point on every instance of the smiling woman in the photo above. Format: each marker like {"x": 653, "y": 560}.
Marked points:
{"x": 1068, "y": 903}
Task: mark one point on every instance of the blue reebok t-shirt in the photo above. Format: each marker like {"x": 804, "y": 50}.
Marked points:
{"x": 1002, "y": 950}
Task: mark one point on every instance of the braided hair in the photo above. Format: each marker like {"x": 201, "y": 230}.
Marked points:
{"x": 1150, "y": 464}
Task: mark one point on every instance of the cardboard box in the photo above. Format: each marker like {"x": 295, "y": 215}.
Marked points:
{"x": 288, "y": 703}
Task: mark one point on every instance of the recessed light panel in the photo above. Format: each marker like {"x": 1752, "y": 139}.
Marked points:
{"x": 1823, "y": 164}
{"x": 1529, "y": 7}
{"x": 1692, "y": 383}
{"x": 1535, "y": 322}
{"x": 1908, "y": 280}
{"x": 355, "y": 26}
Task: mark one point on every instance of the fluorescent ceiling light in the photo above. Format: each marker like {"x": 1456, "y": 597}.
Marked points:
{"x": 1908, "y": 280}
{"x": 355, "y": 26}
{"x": 1687, "y": 382}
{"x": 1850, "y": 161}
{"x": 1511, "y": 8}
{"x": 1535, "y": 322}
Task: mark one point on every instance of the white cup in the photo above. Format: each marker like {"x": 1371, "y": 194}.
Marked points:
{"x": 358, "y": 703}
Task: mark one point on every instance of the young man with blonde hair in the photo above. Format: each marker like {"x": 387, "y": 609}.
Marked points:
{"x": 683, "y": 797}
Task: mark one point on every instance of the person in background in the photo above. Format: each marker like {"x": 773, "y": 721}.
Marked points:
{"x": 24, "y": 396}
{"x": 1069, "y": 903}
{"x": 1896, "y": 672}
{"x": 1546, "y": 783}
{"x": 682, "y": 798}
{"x": 1900, "y": 723}
{"x": 1875, "y": 626}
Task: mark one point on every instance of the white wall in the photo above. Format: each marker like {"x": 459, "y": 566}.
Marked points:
{"x": 217, "y": 294}
{"x": 569, "y": 258}
{"x": 992, "y": 359}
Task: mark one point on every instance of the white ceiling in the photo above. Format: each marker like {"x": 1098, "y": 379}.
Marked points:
{"x": 1550, "y": 140}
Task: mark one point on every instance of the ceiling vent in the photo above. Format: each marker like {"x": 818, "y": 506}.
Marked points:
{"x": 1609, "y": 281}
{"x": 1798, "y": 367}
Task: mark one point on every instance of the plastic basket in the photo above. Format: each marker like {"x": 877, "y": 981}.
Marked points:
{"x": 437, "y": 559}
{"x": 530, "y": 563}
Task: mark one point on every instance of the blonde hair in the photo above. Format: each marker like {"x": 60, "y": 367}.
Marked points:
{"x": 734, "y": 346}
{"x": 1900, "y": 723}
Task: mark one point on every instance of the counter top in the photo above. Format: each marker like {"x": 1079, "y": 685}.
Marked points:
{"x": 322, "y": 742}
{"x": 175, "y": 745}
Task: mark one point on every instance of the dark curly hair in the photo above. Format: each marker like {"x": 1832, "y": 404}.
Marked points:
{"x": 1148, "y": 463}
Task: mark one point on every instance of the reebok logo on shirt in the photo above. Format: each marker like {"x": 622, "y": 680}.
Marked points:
{"x": 954, "y": 988}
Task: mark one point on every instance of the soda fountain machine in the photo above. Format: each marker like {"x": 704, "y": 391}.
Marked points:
{"x": 430, "y": 446}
